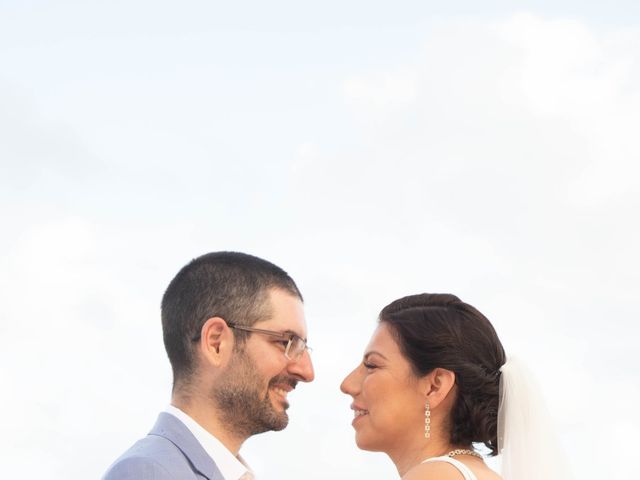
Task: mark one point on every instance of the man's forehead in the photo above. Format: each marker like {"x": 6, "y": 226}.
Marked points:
{"x": 286, "y": 314}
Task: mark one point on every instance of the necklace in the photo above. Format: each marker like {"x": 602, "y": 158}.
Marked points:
{"x": 461, "y": 451}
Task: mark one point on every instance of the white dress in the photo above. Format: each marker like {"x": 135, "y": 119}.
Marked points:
{"x": 464, "y": 470}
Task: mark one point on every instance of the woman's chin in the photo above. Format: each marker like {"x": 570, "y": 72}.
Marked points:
{"x": 365, "y": 442}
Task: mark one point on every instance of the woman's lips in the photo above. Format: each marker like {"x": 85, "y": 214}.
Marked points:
{"x": 358, "y": 413}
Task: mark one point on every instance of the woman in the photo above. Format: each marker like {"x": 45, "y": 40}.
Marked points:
{"x": 428, "y": 389}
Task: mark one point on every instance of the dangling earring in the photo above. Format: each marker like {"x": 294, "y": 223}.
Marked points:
{"x": 427, "y": 420}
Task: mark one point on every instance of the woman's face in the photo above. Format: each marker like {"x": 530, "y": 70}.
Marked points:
{"x": 387, "y": 402}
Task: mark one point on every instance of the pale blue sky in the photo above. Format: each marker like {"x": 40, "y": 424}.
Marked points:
{"x": 372, "y": 149}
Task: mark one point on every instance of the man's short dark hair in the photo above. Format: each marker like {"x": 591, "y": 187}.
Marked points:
{"x": 230, "y": 285}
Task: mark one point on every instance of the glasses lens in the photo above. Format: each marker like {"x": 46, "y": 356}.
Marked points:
{"x": 296, "y": 348}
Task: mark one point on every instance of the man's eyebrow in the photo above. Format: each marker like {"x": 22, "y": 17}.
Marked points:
{"x": 373, "y": 352}
{"x": 291, "y": 332}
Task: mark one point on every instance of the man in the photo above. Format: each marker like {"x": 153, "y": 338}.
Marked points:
{"x": 235, "y": 333}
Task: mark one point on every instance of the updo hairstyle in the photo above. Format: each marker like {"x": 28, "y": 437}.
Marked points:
{"x": 441, "y": 331}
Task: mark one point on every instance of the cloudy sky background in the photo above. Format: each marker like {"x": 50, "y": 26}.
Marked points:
{"x": 371, "y": 150}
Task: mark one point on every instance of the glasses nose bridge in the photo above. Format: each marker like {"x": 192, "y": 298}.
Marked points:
{"x": 301, "y": 366}
{"x": 295, "y": 348}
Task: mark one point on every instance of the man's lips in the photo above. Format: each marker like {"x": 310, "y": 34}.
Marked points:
{"x": 282, "y": 389}
{"x": 284, "y": 383}
{"x": 282, "y": 386}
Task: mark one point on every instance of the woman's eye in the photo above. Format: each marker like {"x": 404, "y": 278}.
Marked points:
{"x": 370, "y": 366}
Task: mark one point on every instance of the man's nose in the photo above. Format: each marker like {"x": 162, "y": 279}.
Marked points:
{"x": 302, "y": 367}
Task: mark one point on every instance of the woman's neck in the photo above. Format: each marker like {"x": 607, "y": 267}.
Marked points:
{"x": 411, "y": 455}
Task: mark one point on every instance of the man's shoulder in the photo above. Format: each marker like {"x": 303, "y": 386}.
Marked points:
{"x": 152, "y": 458}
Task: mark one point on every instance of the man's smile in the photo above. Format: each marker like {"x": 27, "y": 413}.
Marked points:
{"x": 280, "y": 391}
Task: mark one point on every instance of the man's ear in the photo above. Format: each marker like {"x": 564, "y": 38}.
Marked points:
{"x": 437, "y": 385}
{"x": 216, "y": 341}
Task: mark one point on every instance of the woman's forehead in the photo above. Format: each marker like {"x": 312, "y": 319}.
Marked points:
{"x": 383, "y": 343}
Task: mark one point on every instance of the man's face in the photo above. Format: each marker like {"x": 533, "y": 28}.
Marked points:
{"x": 253, "y": 394}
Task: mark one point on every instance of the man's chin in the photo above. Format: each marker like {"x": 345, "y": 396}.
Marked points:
{"x": 281, "y": 424}
{"x": 278, "y": 416}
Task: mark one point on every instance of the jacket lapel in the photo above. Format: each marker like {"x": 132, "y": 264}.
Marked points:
{"x": 176, "y": 432}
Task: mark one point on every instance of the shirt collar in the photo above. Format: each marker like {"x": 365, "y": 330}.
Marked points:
{"x": 231, "y": 467}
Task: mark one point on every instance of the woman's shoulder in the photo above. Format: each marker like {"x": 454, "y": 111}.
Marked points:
{"x": 444, "y": 470}
{"x": 433, "y": 471}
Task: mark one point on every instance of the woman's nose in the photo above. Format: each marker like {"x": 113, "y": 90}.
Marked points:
{"x": 348, "y": 385}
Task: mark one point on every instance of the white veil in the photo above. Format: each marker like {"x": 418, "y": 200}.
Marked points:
{"x": 527, "y": 441}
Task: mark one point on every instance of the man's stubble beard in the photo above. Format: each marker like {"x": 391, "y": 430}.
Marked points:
{"x": 243, "y": 408}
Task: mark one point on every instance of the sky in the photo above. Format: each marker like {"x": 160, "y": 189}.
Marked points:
{"x": 372, "y": 151}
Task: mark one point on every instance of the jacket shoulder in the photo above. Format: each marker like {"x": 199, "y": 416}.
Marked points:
{"x": 152, "y": 458}
{"x": 141, "y": 468}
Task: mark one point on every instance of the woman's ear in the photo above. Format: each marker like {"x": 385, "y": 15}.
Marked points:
{"x": 437, "y": 385}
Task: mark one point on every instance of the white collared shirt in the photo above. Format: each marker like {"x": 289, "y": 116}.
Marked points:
{"x": 230, "y": 466}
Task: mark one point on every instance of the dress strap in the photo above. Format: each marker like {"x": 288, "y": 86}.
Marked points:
{"x": 462, "y": 468}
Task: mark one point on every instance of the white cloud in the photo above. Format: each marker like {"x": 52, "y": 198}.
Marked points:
{"x": 388, "y": 90}
{"x": 521, "y": 135}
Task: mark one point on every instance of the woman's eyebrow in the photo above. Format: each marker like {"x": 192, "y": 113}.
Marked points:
{"x": 373, "y": 352}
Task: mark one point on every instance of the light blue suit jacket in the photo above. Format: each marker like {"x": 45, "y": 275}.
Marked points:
{"x": 168, "y": 452}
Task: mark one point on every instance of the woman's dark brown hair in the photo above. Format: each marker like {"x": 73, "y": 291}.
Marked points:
{"x": 441, "y": 331}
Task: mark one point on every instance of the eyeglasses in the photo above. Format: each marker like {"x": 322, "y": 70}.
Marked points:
{"x": 294, "y": 346}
